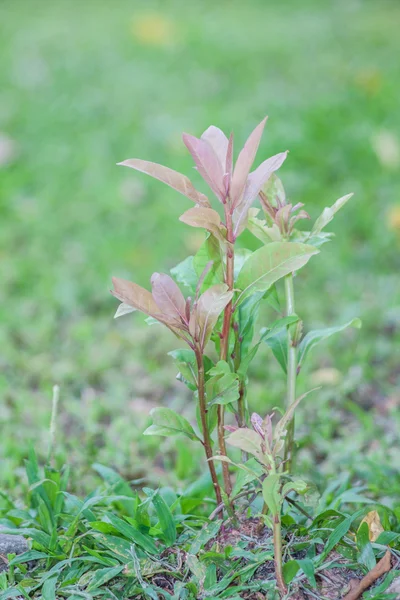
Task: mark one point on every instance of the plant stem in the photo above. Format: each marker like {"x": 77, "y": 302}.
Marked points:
{"x": 226, "y": 328}
{"x": 291, "y": 372}
{"x": 241, "y": 417}
{"x": 278, "y": 555}
{"x": 204, "y": 423}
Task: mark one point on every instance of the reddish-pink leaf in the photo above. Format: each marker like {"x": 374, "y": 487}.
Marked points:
{"x": 207, "y": 218}
{"x": 175, "y": 180}
{"x": 134, "y": 295}
{"x": 260, "y": 176}
{"x": 255, "y": 181}
{"x": 168, "y": 296}
{"x": 207, "y": 163}
{"x": 257, "y": 423}
{"x": 218, "y": 141}
{"x": 207, "y": 310}
{"x": 244, "y": 163}
{"x": 229, "y": 157}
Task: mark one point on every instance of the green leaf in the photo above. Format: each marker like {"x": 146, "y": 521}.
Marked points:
{"x": 167, "y": 522}
{"x": 318, "y": 335}
{"x": 208, "y": 532}
{"x": 276, "y": 326}
{"x": 328, "y": 213}
{"x": 307, "y": 237}
{"x": 120, "y": 547}
{"x": 27, "y": 557}
{"x": 101, "y": 576}
{"x": 295, "y": 485}
{"x": 271, "y": 493}
{"x": 290, "y": 570}
{"x": 167, "y": 422}
{"x": 366, "y": 554}
{"x": 269, "y": 264}
{"x": 185, "y": 274}
{"x": 307, "y": 566}
{"x": 241, "y": 256}
{"x": 185, "y": 360}
{"x": 49, "y": 589}
{"x": 223, "y": 385}
{"x": 132, "y": 534}
{"x": 266, "y": 333}
{"x": 120, "y": 487}
{"x": 338, "y": 533}
{"x": 278, "y": 344}
{"x": 248, "y": 441}
{"x": 244, "y": 477}
{"x": 209, "y": 251}
{"x": 197, "y": 568}
{"x": 247, "y": 314}
{"x": 259, "y": 228}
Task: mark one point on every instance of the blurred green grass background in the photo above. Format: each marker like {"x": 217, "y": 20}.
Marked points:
{"x": 84, "y": 85}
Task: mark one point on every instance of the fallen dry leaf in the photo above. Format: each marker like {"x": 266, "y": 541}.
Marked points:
{"x": 382, "y": 567}
{"x": 374, "y": 525}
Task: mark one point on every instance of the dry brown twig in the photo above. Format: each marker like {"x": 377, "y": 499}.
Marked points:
{"x": 382, "y": 567}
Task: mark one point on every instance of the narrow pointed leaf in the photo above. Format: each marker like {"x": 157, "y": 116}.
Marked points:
{"x": 207, "y": 163}
{"x": 229, "y": 157}
{"x": 206, "y": 313}
{"x": 271, "y": 495}
{"x": 175, "y": 180}
{"x": 168, "y": 296}
{"x": 165, "y": 517}
{"x": 255, "y": 182}
{"x": 328, "y": 213}
{"x": 278, "y": 344}
{"x": 218, "y": 141}
{"x": 281, "y": 426}
{"x": 133, "y": 534}
{"x": 101, "y": 576}
{"x": 315, "y": 337}
{"x": 206, "y": 218}
{"x": 244, "y": 163}
{"x": 270, "y": 263}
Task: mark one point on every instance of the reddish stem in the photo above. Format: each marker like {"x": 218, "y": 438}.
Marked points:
{"x": 229, "y": 280}
{"x": 206, "y": 431}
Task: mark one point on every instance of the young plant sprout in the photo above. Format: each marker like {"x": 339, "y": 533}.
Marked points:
{"x": 225, "y": 286}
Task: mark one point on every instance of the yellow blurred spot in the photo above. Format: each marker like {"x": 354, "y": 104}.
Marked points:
{"x": 393, "y": 218}
{"x": 374, "y": 525}
{"x": 387, "y": 149}
{"x": 154, "y": 29}
{"x": 369, "y": 80}
{"x": 326, "y": 376}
